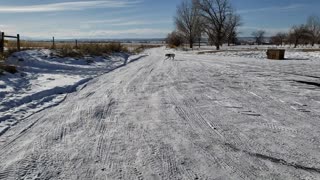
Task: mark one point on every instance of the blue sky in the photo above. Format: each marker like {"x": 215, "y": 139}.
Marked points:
{"x": 136, "y": 18}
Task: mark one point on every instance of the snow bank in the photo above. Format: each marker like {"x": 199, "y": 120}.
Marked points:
{"x": 44, "y": 80}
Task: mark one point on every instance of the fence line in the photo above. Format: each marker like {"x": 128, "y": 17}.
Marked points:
{"x": 2, "y": 41}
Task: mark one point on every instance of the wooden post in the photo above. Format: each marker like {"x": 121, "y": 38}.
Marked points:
{"x": 18, "y": 42}
{"x": 53, "y": 43}
{"x": 2, "y": 43}
{"x": 76, "y": 44}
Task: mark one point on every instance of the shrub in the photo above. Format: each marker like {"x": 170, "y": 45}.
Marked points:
{"x": 114, "y": 47}
{"x": 92, "y": 49}
{"x": 174, "y": 39}
{"x": 68, "y": 51}
{"x": 139, "y": 49}
{"x": 8, "y": 68}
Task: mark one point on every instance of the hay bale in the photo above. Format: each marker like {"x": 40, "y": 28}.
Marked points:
{"x": 277, "y": 54}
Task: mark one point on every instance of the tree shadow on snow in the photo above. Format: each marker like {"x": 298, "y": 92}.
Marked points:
{"x": 296, "y": 59}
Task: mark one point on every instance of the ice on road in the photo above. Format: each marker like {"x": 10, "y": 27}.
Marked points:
{"x": 196, "y": 117}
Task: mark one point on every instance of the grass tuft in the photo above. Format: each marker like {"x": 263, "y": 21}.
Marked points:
{"x": 8, "y": 68}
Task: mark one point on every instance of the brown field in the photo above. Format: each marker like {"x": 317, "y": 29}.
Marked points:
{"x": 71, "y": 49}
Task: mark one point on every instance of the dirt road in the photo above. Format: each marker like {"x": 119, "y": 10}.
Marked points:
{"x": 196, "y": 117}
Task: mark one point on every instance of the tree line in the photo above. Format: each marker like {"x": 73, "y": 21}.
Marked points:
{"x": 218, "y": 21}
{"x": 304, "y": 34}
{"x": 214, "y": 18}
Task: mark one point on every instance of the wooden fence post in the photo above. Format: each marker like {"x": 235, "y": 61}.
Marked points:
{"x": 76, "y": 44}
{"x": 53, "y": 43}
{"x": 2, "y": 43}
{"x": 18, "y": 42}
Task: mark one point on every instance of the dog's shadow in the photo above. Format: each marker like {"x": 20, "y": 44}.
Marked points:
{"x": 178, "y": 60}
{"x": 170, "y": 59}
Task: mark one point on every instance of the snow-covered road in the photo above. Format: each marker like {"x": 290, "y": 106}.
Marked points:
{"x": 196, "y": 117}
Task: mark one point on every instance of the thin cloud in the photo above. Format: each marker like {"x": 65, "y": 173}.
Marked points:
{"x": 76, "y": 33}
{"x": 130, "y": 23}
{"x": 141, "y": 32}
{"x": 68, "y": 6}
{"x": 118, "y": 20}
{"x": 122, "y": 22}
{"x": 285, "y": 8}
{"x": 133, "y": 23}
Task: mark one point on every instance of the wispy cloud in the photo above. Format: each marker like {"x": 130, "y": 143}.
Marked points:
{"x": 275, "y": 8}
{"x": 133, "y": 23}
{"x": 138, "y": 32}
{"x": 128, "y": 22}
{"x": 100, "y": 34}
{"x": 68, "y": 6}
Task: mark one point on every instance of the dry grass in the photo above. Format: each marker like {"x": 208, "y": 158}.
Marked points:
{"x": 94, "y": 49}
{"x": 310, "y": 50}
{"x": 171, "y": 46}
{"x": 70, "y": 49}
{"x": 136, "y": 49}
{"x": 8, "y": 68}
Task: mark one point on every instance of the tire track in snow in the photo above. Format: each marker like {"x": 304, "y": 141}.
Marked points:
{"x": 160, "y": 119}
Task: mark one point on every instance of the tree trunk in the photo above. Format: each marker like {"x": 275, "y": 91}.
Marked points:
{"x": 219, "y": 40}
{"x": 296, "y": 43}
{"x": 218, "y": 46}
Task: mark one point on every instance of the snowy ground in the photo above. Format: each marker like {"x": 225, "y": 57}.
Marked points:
{"x": 43, "y": 81}
{"x": 261, "y": 54}
{"x": 197, "y": 117}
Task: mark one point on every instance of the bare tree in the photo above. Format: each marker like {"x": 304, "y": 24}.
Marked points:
{"x": 187, "y": 21}
{"x": 215, "y": 14}
{"x": 199, "y": 35}
{"x": 298, "y": 33}
{"x": 234, "y": 21}
{"x": 259, "y": 36}
{"x": 313, "y": 26}
{"x": 279, "y": 38}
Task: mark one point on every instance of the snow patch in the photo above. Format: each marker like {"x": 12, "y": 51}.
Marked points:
{"x": 44, "y": 79}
